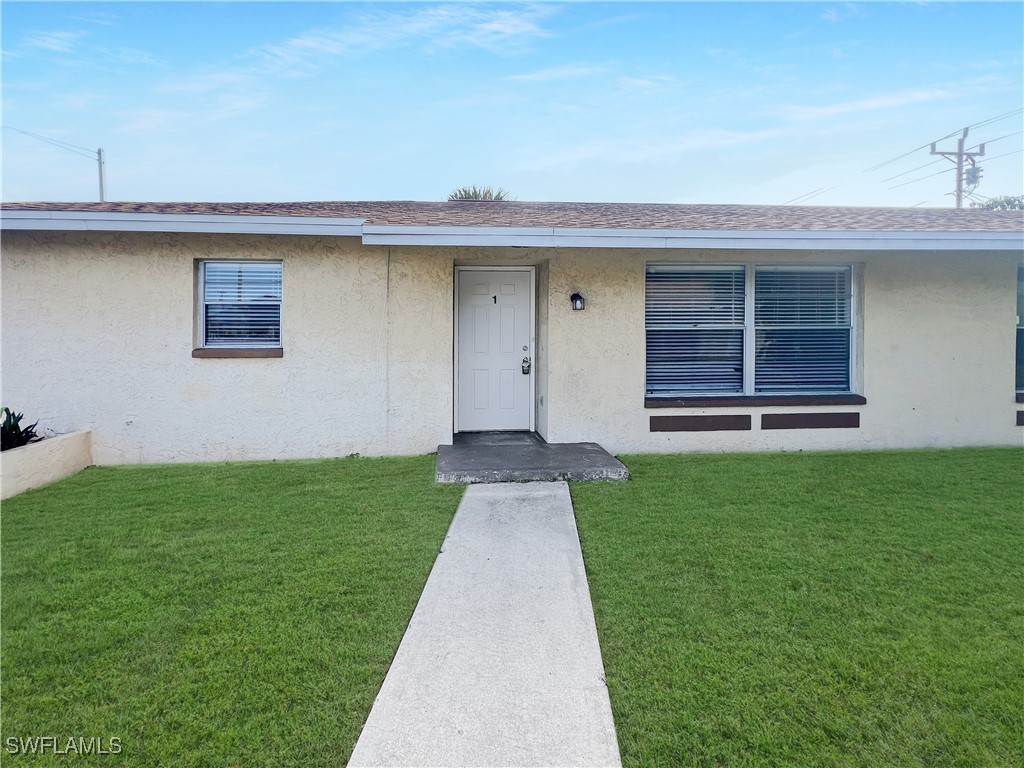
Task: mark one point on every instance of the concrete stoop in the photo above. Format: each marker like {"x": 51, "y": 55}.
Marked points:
{"x": 510, "y": 457}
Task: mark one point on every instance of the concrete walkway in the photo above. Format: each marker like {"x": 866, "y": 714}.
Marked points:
{"x": 500, "y": 665}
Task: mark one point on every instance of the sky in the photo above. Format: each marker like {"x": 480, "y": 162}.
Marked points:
{"x": 673, "y": 102}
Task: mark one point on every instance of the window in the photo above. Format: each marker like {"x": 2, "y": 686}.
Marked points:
{"x": 695, "y": 322}
{"x": 746, "y": 330}
{"x": 241, "y": 304}
{"x": 1020, "y": 329}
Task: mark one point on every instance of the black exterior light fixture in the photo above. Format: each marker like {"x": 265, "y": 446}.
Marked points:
{"x": 578, "y": 303}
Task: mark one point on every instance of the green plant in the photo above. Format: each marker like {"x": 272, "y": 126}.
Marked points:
{"x": 1003, "y": 203}
{"x": 13, "y": 435}
{"x": 478, "y": 193}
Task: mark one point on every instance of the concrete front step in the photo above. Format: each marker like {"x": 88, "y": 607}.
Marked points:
{"x": 508, "y": 457}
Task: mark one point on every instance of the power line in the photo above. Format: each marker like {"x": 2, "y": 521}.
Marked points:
{"x": 933, "y": 162}
{"x": 987, "y": 121}
{"x": 1000, "y": 138}
{"x": 818, "y": 194}
{"x": 1007, "y": 154}
{"x": 973, "y": 173}
{"x": 801, "y": 197}
{"x": 950, "y": 170}
{"x": 944, "y": 170}
{"x": 74, "y": 149}
{"x": 997, "y": 118}
{"x": 56, "y": 142}
{"x": 906, "y": 154}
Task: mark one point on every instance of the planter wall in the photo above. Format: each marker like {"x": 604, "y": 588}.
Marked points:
{"x": 36, "y": 464}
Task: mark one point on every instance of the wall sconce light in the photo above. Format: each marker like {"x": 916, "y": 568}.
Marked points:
{"x": 578, "y": 303}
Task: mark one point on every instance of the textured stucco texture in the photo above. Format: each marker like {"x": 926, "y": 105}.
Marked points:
{"x": 98, "y": 331}
{"x": 47, "y": 461}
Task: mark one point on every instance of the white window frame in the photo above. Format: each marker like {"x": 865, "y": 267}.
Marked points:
{"x": 750, "y": 329}
{"x": 201, "y": 304}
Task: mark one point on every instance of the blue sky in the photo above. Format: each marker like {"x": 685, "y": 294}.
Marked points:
{"x": 757, "y": 103}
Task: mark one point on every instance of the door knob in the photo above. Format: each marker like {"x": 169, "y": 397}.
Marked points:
{"x": 526, "y": 365}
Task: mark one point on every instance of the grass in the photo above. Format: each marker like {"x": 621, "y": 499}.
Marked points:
{"x": 230, "y": 615}
{"x": 855, "y": 609}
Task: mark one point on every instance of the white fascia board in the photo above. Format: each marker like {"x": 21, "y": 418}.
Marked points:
{"x": 91, "y": 221}
{"x": 522, "y": 237}
{"x": 546, "y": 237}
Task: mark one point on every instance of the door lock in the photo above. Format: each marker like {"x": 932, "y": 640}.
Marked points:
{"x": 526, "y": 365}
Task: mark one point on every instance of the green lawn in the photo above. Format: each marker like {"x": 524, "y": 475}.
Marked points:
{"x": 855, "y": 609}
{"x": 229, "y": 615}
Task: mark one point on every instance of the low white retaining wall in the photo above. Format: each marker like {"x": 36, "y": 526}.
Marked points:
{"x": 44, "y": 462}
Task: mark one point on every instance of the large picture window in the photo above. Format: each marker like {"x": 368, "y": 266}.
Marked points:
{"x": 1020, "y": 329}
{"x": 748, "y": 330}
{"x": 241, "y": 304}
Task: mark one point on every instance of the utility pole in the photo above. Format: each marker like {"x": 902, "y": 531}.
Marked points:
{"x": 98, "y": 155}
{"x": 101, "y": 161}
{"x": 958, "y": 158}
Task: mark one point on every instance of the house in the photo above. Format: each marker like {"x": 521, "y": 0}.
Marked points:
{"x": 211, "y": 331}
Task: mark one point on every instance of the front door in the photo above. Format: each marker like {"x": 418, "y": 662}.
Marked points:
{"x": 494, "y": 374}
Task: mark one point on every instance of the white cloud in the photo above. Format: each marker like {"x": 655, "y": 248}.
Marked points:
{"x": 207, "y": 82}
{"x": 499, "y": 30}
{"x": 643, "y": 83}
{"x": 99, "y": 19}
{"x": 636, "y": 149}
{"x": 58, "y": 42}
{"x": 130, "y": 56}
{"x": 568, "y": 72}
{"x": 841, "y": 13}
{"x": 888, "y": 101}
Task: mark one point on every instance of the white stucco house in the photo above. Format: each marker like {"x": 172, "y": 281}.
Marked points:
{"x": 207, "y": 332}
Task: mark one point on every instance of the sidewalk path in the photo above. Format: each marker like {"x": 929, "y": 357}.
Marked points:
{"x": 500, "y": 665}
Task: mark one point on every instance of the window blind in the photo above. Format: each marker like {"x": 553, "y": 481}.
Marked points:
{"x": 694, "y": 328}
{"x": 1020, "y": 329}
{"x": 242, "y": 304}
{"x": 803, "y": 326}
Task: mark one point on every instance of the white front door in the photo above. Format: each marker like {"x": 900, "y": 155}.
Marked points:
{"x": 494, "y": 347}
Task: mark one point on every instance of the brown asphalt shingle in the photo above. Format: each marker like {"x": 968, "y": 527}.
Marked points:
{"x": 591, "y": 215}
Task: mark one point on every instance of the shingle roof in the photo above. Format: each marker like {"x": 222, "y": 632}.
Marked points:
{"x": 590, "y": 215}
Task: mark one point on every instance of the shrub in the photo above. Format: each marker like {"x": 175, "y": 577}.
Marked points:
{"x": 478, "y": 193}
{"x": 11, "y": 433}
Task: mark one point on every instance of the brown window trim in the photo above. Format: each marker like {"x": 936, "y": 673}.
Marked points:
{"x": 826, "y": 420}
{"x": 734, "y": 401}
{"x": 238, "y": 352}
{"x": 700, "y": 423}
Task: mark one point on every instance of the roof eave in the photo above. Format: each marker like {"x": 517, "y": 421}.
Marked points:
{"x": 523, "y": 237}
{"x": 76, "y": 221}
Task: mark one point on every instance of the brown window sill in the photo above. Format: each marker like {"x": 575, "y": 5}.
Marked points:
{"x": 238, "y": 352}
{"x": 752, "y": 401}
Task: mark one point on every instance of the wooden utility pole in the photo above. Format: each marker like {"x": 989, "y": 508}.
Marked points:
{"x": 101, "y": 161}
{"x": 958, "y": 158}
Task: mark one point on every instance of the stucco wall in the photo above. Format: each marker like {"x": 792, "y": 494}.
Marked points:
{"x": 98, "y": 331}
{"x": 47, "y": 461}
{"x": 935, "y": 355}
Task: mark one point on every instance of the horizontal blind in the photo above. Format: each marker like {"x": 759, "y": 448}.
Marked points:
{"x": 694, "y": 325}
{"x": 1020, "y": 329}
{"x": 242, "y": 304}
{"x": 803, "y": 328}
